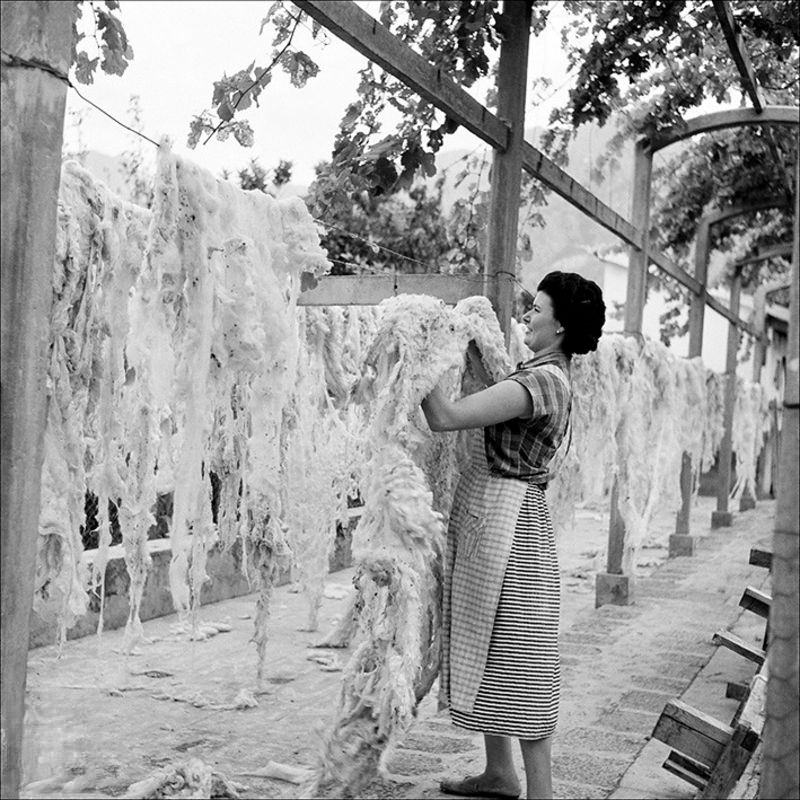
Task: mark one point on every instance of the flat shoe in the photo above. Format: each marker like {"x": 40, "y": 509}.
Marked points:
{"x": 469, "y": 788}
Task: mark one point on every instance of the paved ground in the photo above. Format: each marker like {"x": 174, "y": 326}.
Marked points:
{"x": 95, "y": 723}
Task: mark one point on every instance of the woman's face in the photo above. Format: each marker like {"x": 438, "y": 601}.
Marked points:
{"x": 542, "y": 325}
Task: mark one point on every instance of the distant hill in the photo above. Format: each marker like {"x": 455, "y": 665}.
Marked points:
{"x": 567, "y": 231}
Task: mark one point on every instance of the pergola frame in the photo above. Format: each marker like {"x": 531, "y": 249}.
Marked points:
{"x": 31, "y": 160}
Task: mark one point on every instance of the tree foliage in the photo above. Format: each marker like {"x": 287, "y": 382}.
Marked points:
{"x": 110, "y": 42}
{"x": 651, "y": 63}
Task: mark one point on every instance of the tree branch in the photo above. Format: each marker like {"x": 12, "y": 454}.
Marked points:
{"x": 258, "y": 79}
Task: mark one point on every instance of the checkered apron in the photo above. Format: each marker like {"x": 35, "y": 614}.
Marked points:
{"x": 479, "y": 537}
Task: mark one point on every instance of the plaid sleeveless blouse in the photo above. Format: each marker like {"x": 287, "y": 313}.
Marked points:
{"x": 523, "y": 448}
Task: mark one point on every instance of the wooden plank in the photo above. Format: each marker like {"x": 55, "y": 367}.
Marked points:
{"x": 687, "y": 769}
{"x": 738, "y": 48}
{"x": 691, "y": 732}
{"x": 727, "y": 118}
{"x": 751, "y": 714}
{"x": 367, "y": 36}
{"x": 501, "y": 246}
{"x": 369, "y": 290}
{"x": 755, "y": 601}
{"x": 740, "y": 646}
{"x": 760, "y": 558}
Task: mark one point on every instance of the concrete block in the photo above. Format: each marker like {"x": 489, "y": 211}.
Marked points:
{"x": 721, "y": 519}
{"x": 614, "y": 589}
{"x": 746, "y": 502}
{"x": 681, "y": 545}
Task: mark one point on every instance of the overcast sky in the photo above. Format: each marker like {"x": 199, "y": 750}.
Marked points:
{"x": 181, "y": 48}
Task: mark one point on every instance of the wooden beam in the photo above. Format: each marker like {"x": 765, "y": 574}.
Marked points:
{"x": 367, "y": 36}
{"x": 726, "y": 446}
{"x": 30, "y": 156}
{"x": 638, "y": 261}
{"x": 738, "y": 48}
{"x": 728, "y": 118}
{"x": 777, "y": 201}
{"x": 501, "y": 246}
{"x": 369, "y": 290}
{"x": 782, "y": 250}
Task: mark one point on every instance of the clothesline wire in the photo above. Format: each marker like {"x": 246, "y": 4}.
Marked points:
{"x": 18, "y": 61}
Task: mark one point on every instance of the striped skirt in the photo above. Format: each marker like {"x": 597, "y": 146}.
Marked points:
{"x": 519, "y": 691}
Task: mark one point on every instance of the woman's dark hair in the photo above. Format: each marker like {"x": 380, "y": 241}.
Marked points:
{"x": 579, "y": 308}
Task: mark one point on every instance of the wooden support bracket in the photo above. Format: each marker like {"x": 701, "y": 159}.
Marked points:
{"x": 687, "y": 769}
{"x": 736, "y": 691}
{"x": 755, "y": 601}
{"x": 710, "y": 755}
{"x": 693, "y": 733}
{"x": 760, "y": 558}
{"x": 740, "y": 646}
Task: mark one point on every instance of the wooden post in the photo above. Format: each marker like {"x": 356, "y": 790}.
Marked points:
{"x": 32, "y": 132}
{"x": 779, "y": 777}
{"x": 748, "y": 499}
{"x": 501, "y": 250}
{"x": 638, "y": 259}
{"x": 760, "y": 325}
{"x": 722, "y": 517}
{"x": 613, "y": 586}
{"x": 681, "y": 543}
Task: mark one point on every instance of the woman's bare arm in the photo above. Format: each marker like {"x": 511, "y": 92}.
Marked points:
{"x": 503, "y": 401}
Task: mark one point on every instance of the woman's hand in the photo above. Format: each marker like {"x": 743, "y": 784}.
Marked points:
{"x": 475, "y": 364}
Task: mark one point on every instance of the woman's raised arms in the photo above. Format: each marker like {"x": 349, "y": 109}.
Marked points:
{"x": 504, "y": 401}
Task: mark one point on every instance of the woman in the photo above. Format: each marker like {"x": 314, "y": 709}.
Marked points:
{"x": 500, "y": 666}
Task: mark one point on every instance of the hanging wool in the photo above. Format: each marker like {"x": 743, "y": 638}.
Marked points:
{"x": 397, "y": 541}
{"x": 315, "y": 482}
{"x": 751, "y": 424}
{"x": 230, "y": 265}
{"x": 714, "y": 423}
{"x": 98, "y": 255}
{"x": 518, "y": 351}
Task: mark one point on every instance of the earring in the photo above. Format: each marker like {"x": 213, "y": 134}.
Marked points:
{"x": 560, "y": 330}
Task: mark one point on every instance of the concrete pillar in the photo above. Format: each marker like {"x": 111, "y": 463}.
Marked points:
{"x": 32, "y": 131}
{"x": 501, "y": 249}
